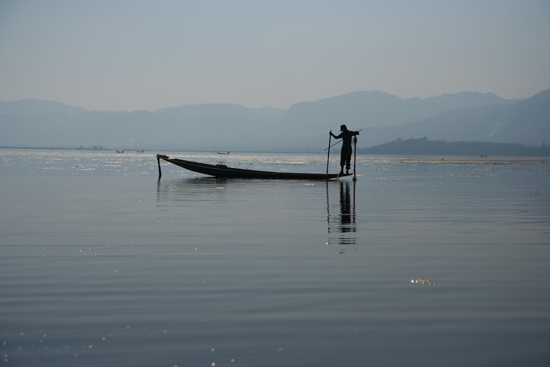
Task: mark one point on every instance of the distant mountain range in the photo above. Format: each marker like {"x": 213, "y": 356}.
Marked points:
{"x": 304, "y": 127}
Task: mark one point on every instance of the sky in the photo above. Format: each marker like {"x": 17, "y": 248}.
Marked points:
{"x": 146, "y": 55}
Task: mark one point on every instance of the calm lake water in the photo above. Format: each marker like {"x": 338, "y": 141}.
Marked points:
{"x": 101, "y": 264}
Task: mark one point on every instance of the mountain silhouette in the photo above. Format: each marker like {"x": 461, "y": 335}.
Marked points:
{"x": 525, "y": 122}
{"x": 37, "y": 107}
{"x": 304, "y": 127}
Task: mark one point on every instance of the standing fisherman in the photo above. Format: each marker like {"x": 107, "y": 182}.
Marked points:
{"x": 345, "y": 155}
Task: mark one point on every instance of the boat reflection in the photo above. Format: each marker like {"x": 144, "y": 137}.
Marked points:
{"x": 342, "y": 226}
{"x": 191, "y": 189}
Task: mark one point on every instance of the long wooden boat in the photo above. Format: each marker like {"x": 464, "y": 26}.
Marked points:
{"x": 221, "y": 170}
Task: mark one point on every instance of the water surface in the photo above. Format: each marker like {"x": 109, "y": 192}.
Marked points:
{"x": 103, "y": 264}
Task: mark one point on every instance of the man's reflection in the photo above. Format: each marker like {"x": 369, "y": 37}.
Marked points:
{"x": 347, "y": 212}
{"x": 345, "y": 221}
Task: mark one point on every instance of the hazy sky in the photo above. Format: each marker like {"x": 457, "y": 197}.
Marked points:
{"x": 145, "y": 55}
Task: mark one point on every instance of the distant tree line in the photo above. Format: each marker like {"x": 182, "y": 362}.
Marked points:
{"x": 423, "y": 146}
{"x": 95, "y": 147}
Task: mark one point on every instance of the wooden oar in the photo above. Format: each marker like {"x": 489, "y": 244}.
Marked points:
{"x": 330, "y": 146}
{"x": 355, "y": 158}
{"x": 158, "y": 162}
{"x": 328, "y": 154}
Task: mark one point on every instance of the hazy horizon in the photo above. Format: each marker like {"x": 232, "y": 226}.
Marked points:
{"x": 141, "y": 55}
{"x": 263, "y": 107}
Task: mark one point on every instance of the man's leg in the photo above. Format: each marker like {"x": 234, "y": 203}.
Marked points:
{"x": 348, "y": 162}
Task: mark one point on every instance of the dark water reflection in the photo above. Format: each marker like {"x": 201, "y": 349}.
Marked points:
{"x": 342, "y": 226}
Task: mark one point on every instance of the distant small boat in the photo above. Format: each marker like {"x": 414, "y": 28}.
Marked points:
{"x": 120, "y": 151}
{"x": 223, "y": 152}
{"x": 221, "y": 170}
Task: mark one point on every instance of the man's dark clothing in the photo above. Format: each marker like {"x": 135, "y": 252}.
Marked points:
{"x": 345, "y": 155}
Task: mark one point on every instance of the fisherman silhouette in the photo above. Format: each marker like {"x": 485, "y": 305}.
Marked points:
{"x": 345, "y": 155}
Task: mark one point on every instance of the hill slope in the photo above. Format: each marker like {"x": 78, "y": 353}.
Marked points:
{"x": 526, "y": 122}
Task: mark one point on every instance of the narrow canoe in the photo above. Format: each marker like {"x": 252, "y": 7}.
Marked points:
{"x": 221, "y": 170}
